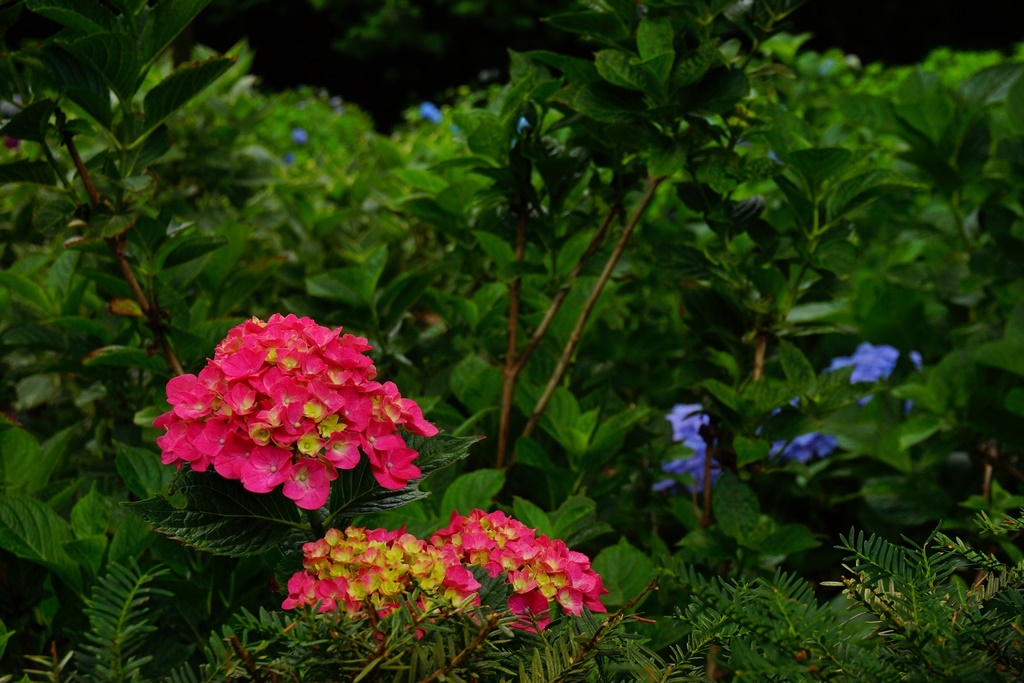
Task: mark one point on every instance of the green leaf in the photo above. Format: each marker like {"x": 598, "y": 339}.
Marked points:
{"x": 180, "y": 250}
{"x": 27, "y": 290}
{"x": 787, "y": 540}
{"x": 575, "y": 521}
{"x": 719, "y": 91}
{"x": 863, "y": 188}
{"x": 124, "y": 357}
{"x": 142, "y": 471}
{"x": 20, "y": 452}
{"x": 114, "y": 56}
{"x": 166, "y": 21}
{"x": 30, "y": 122}
{"x": 24, "y": 171}
{"x": 91, "y": 515}
{"x": 34, "y": 532}
{"x": 625, "y": 572}
{"x": 601, "y": 26}
{"x": 79, "y": 82}
{"x": 208, "y": 512}
{"x": 799, "y": 371}
{"x": 473, "y": 490}
{"x": 29, "y": 466}
{"x": 691, "y": 66}
{"x": 608, "y": 104}
{"x": 1015, "y": 106}
{"x": 1003, "y": 354}
{"x": 654, "y": 37}
{"x": 615, "y": 66}
{"x": 172, "y": 93}
{"x": 610, "y": 434}
{"x": 817, "y": 166}
{"x": 749, "y": 450}
{"x": 532, "y": 516}
{"x": 728, "y": 396}
{"x": 132, "y": 537}
{"x": 495, "y": 247}
{"x": 356, "y": 492}
{"x": 917, "y": 429}
{"x": 5, "y": 635}
{"x": 81, "y": 17}
{"x": 735, "y": 506}
{"x": 990, "y": 85}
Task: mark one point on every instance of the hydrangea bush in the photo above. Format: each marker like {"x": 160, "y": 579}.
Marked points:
{"x": 288, "y": 403}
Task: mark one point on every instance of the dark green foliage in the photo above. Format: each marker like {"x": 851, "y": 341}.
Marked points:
{"x": 695, "y": 212}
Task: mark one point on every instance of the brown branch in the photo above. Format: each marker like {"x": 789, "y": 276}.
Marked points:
{"x": 94, "y": 196}
{"x": 761, "y": 345}
{"x": 485, "y": 630}
{"x": 510, "y": 371}
{"x": 559, "y": 298}
{"x": 577, "y": 332}
{"x": 117, "y": 246}
{"x": 246, "y": 661}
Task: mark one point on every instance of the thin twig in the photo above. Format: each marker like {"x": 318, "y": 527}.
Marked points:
{"x": 559, "y": 298}
{"x": 509, "y": 372}
{"x": 577, "y": 332}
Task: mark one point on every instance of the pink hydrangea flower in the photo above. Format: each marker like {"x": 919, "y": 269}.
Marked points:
{"x": 347, "y": 570}
{"x": 288, "y": 403}
{"x": 538, "y": 568}
{"x": 355, "y": 568}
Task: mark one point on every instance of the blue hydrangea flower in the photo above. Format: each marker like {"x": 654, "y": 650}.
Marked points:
{"x": 805, "y": 447}
{"x": 686, "y": 422}
{"x": 871, "y": 363}
{"x": 300, "y": 136}
{"x": 430, "y": 112}
{"x": 289, "y": 158}
{"x": 523, "y": 124}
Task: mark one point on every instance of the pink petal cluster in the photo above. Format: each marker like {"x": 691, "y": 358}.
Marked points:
{"x": 349, "y": 570}
{"x": 538, "y": 568}
{"x": 288, "y": 403}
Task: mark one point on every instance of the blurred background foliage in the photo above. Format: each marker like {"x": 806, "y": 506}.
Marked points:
{"x": 693, "y": 205}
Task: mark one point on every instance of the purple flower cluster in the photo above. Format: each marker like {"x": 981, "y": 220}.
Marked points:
{"x": 870, "y": 363}
{"x": 687, "y": 421}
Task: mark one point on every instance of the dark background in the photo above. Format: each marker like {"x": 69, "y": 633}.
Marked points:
{"x": 386, "y": 55}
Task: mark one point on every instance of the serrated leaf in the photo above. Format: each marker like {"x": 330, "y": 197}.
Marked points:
{"x": 24, "y": 171}
{"x": 470, "y": 491}
{"x": 113, "y": 56}
{"x": 719, "y": 91}
{"x": 166, "y": 21}
{"x": 81, "y": 17}
{"x": 1003, "y": 354}
{"x": 219, "y": 515}
{"x": 615, "y": 66}
{"x": 863, "y": 188}
{"x": 788, "y": 539}
{"x": 817, "y": 166}
{"x": 356, "y": 491}
{"x": 33, "y": 531}
{"x": 172, "y": 93}
{"x": 80, "y": 82}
